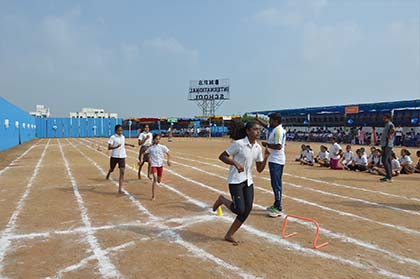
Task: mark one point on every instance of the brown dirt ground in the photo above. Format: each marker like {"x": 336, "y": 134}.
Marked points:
{"x": 172, "y": 237}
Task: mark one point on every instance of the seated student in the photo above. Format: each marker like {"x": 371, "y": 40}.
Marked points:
{"x": 360, "y": 162}
{"x": 417, "y": 168}
{"x": 376, "y": 160}
{"x": 372, "y": 153}
{"x": 323, "y": 157}
{"x": 395, "y": 164}
{"x": 348, "y": 156}
{"x": 308, "y": 157}
{"x": 406, "y": 163}
{"x": 300, "y": 157}
{"x": 335, "y": 154}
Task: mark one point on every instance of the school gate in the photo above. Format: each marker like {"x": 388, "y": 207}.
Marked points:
{"x": 75, "y": 127}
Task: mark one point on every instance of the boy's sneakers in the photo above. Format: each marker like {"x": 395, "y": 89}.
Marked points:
{"x": 270, "y": 208}
{"x": 384, "y": 179}
{"x": 274, "y": 213}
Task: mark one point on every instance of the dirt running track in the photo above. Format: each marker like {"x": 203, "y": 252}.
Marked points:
{"x": 59, "y": 218}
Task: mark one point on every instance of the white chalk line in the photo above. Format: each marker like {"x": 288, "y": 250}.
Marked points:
{"x": 158, "y": 222}
{"x": 106, "y": 268}
{"x": 11, "y": 225}
{"x": 15, "y": 161}
{"x": 342, "y": 213}
{"x": 277, "y": 240}
{"x": 342, "y": 237}
{"x": 341, "y": 196}
{"x": 338, "y": 185}
{"x": 86, "y": 260}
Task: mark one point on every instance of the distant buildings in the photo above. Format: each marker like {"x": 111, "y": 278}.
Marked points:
{"x": 41, "y": 111}
{"x": 93, "y": 113}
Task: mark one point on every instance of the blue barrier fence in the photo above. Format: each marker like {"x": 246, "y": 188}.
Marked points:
{"x": 75, "y": 127}
{"x": 17, "y": 126}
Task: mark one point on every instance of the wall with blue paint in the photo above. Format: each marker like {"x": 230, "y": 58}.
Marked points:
{"x": 21, "y": 125}
{"x": 75, "y": 127}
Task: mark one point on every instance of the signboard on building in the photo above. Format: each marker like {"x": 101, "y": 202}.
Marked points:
{"x": 209, "y": 89}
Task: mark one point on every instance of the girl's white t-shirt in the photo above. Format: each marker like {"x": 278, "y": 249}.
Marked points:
{"x": 405, "y": 159}
{"x": 334, "y": 148}
{"x": 157, "y": 154}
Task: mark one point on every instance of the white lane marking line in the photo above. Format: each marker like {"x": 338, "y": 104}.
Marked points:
{"x": 79, "y": 230}
{"x": 343, "y": 213}
{"x": 276, "y": 239}
{"x": 342, "y": 237}
{"x": 367, "y": 245}
{"x": 338, "y": 185}
{"x": 11, "y": 225}
{"x": 106, "y": 268}
{"x": 9, "y": 166}
{"x": 86, "y": 260}
{"x": 158, "y": 222}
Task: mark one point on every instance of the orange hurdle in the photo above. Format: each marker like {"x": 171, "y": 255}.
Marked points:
{"x": 295, "y": 233}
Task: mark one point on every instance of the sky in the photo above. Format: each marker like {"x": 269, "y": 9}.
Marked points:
{"x": 136, "y": 58}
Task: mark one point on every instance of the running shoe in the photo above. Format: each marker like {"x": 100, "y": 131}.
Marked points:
{"x": 270, "y": 208}
{"x": 274, "y": 213}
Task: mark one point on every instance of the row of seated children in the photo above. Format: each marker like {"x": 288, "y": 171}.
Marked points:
{"x": 359, "y": 160}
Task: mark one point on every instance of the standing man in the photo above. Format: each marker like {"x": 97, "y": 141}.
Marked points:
{"x": 387, "y": 142}
{"x": 277, "y": 159}
{"x": 145, "y": 140}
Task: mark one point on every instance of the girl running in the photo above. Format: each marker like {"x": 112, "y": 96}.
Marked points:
{"x": 157, "y": 156}
{"x": 241, "y": 156}
{"x": 145, "y": 141}
{"x": 117, "y": 144}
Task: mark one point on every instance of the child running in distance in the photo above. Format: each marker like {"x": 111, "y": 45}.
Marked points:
{"x": 323, "y": 158}
{"x": 308, "y": 157}
{"x": 156, "y": 154}
{"x": 406, "y": 163}
{"x": 117, "y": 144}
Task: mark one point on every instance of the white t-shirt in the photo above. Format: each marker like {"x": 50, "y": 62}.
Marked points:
{"x": 405, "y": 159}
{"x": 377, "y": 160}
{"x": 334, "y": 149}
{"x": 361, "y": 160}
{"x": 348, "y": 156}
{"x": 324, "y": 155}
{"x": 277, "y": 136}
{"x": 119, "y": 152}
{"x": 395, "y": 165}
{"x": 157, "y": 154}
{"x": 149, "y": 141}
{"x": 308, "y": 154}
{"x": 246, "y": 155}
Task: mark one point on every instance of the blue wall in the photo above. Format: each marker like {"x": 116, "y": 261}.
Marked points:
{"x": 15, "y": 135}
{"x": 75, "y": 127}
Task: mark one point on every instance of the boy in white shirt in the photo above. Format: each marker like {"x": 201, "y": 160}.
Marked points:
{"x": 117, "y": 144}
{"x": 156, "y": 158}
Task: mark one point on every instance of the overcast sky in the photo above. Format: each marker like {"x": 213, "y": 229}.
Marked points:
{"x": 136, "y": 57}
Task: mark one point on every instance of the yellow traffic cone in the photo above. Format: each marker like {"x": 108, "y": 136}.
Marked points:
{"x": 219, "y": 211}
